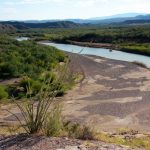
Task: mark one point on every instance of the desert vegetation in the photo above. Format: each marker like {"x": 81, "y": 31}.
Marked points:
{"x": 32, "y": 76}
{"x": 26, "y": 63}
{"x": 132, "y": 39}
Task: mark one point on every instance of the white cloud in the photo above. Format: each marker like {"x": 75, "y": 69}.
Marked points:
{"x": 20, "y": 2}
{"x": 9, "y": 10}
{"x": 7, "y": 13}
{"x": 89, "y": 3}
{"x": 77, "y": 2}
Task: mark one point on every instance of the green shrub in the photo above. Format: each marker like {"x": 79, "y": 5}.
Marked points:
{"x": 75, "y": 130}
{"x": 3, "y": 92}
{"x": 35, "y": 110}
{"x": 30, "y": 85}
{"x": 53, "y": 125}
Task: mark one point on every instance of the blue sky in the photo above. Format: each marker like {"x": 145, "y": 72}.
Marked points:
{"x": 61, "y": 9}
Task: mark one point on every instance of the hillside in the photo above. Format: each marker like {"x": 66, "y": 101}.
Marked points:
{"x": 58, "y": 24}
{"x": 139, "y": 21}
{"x": 6, "y": 28}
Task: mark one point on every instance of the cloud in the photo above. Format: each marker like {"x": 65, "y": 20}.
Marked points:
{"x": 22, "y": 2}
{"x": 9, "y": 10}
{"x": 89, "y": 3}
{"x": 76, "y": 2}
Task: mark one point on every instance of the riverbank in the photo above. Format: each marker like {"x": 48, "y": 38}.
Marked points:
{"x": 94, "y": 45}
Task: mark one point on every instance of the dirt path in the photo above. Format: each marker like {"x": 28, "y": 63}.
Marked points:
{"x": 113, "y": 94}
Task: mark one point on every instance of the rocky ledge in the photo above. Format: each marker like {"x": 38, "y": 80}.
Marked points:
{"x": 25, "y": 142}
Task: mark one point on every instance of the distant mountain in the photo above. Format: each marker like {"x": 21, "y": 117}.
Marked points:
{"x": 111, "y": 19}
{"x": 125, "y": 15}
{"x": 81, "y": 21}
{"x": 136, "y": 22}
{"x": 144, "y": 17}
{"x": 141, "y": 19}
{"x": 58, "y": 24}
{"x": 120, "y": 20}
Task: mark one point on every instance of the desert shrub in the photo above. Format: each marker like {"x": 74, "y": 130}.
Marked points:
{"x": 75, "y": 130}
{"x": 86, "y": 133}
{"x": 29, "y": 84}
{"x": 3, "y": 92}
{"x": 35, "y": 110}
{"x": 48, "y": 76}
{"x": 72, "y": 129}
{"x": 53, "y": 124}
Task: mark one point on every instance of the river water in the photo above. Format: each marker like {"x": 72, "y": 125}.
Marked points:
{"x": 103, "y": 52}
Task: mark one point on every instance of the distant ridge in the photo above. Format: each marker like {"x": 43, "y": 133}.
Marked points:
{"x": 127, "y": 22}
{"x": 124, "y": 15}
{"x": 120, "y": 19}
{"x": 58, "y": 24}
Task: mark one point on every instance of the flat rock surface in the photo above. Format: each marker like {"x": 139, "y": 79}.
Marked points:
{"x": 24, "y": 142}
{"x": 113, "y": 94}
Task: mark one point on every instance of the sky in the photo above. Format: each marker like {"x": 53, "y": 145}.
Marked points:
{"x": 65, "y": 9}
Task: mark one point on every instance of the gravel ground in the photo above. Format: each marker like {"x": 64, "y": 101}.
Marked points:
{"x": 113, "y": 94}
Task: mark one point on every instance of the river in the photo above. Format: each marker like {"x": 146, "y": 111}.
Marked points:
{"x": 103, "y": 52}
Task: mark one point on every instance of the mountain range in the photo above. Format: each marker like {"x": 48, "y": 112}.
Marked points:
{"x": 26, "y": 25}
{"x": 120, "y": 19}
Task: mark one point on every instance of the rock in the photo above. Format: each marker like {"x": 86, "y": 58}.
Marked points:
{"x": 72, "y": 148}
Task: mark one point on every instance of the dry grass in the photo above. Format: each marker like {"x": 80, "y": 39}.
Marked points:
{"x": 134, "y": 142}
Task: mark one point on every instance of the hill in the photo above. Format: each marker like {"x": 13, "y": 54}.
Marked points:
{"x": 139, "y": 21}
{"x": 6, "y": 28}
{"x": 120, "y": 19}
{"x": 58, "y": 24}
{"x": 89, "y": 20}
